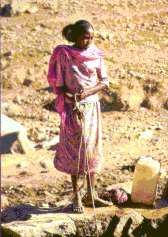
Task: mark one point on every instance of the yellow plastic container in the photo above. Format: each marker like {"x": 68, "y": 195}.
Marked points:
{"x": 145, "y": 181}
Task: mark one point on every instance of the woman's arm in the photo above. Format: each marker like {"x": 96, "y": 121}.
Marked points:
{"x": 91, "y": 91}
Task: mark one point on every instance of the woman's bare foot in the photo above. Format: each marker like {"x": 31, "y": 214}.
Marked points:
{"x": 98, "y": 202}
{"x": 77, "y": 204}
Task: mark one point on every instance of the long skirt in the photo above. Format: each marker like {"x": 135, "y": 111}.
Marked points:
{"x": 79, "y": 150}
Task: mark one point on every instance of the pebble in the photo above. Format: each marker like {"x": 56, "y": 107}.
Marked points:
{"x": 32, "y": 10}
{"x": 22, "y": 164}
{"x": 17, "y": 99}
{"x": 43, "y": 164}
{"x": 9, "y": 53}
{"x": 147, "y": 135}
{"x": 38, "y": 134}
{"x": 45, "y": 205}
{"x": 27, "y": 82}
{"x": 4, "y": 63}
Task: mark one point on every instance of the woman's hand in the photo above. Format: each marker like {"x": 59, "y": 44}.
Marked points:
{"x": 90, "y": 91}
{"x": 69, "y": 98}
{"x": 81, "y": 96}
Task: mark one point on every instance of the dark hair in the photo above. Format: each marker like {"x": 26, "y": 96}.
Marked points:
{"x": 72, "y": 31}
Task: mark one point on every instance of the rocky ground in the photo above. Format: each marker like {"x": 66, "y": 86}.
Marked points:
{"x": 133, "y": 35}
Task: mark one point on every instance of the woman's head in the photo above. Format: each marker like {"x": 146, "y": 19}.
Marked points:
{"x": 81, "y": 33}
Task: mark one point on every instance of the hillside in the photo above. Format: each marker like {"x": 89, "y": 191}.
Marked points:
{"x": 133, "y": 35}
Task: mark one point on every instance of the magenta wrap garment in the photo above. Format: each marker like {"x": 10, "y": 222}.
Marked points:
{"x": 75, "y": 70}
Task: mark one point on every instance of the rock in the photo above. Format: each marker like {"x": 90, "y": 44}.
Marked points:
{"x": 43, "y": 164}
{"x": 112, "y": 102}
{"x": 32, "y": 9}
{"x": 38, "y": 134}
{"x": 9, "y": 126}
{"x": 19, "y": 74}
{"x": 103, "y": 35}
{"x": 27, "y": 82}
{"x": 146, "y": 103}
{"x": 16, "y": 147}
{"x": 165, "y": 192}
{"x": 22, "y": 164}
{"x": 155, "y": 102}
{"x": 50, "y": 143}
{"x": 17, "y": 7}
{"x": 31, "y": 72}
{"x": 132, "y": 218}
{"x": 4, "y": 63}
{"x": 6, "y": 10}
{"x": 4, "y": 107}
{"x": 147, "y": 135}
{"x": 38, "y": 28}
{"x": 9, "y": 53}
{"x": 163, "y": 173}
{"x": 151, "y": 86}
{"x": 7, "y": 142}
{"x": 13, "y": 110}
{"x": 132, "y": 96}
{"x": 63, "y": 203}
{"x": 45, "y": 205}
{"x": 4, "y": 201}
{"x": 136, "y": 74}
{"x": 31, "y": 221}
{"x": 52, "y": 5}
{"x": 44, "y": 116}
{"x": 18, "y": 99}
{"x": 165, "y": 104}
{"x": 26, "y": 145}
{"x": 162, "y": 185}
{"x": 62, "y": 225}
{"x": 12, "y": 131}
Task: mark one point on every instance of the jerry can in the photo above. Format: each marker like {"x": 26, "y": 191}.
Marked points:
{"x": 146, "y": 177}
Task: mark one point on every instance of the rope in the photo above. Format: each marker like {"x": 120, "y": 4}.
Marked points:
{"x": 77, "y": 108}
{"x": 91, "y": 188}
{"x": 87, "y": 171}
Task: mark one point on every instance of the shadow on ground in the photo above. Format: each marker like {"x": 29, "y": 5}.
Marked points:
{"x": 24, "y": 212}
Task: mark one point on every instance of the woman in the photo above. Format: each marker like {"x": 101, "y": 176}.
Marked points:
{"x": 76, "y": 73}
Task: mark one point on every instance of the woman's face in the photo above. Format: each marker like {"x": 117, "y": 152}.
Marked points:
{"x": 85, "y": 39}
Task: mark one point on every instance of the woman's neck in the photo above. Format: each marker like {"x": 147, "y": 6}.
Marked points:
{"x": 79, "y": 48}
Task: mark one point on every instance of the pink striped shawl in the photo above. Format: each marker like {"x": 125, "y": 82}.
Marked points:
{"x": 59, "y": 61}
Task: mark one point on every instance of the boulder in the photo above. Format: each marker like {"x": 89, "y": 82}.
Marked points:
{"x": 17, "y": 7}
{"x": 9, "y": 126}
{"x": 132, "y": 96}
{"x": 4, "y": 201}
{"x": 11, "y": 132}
{"x": 30, "y": 221}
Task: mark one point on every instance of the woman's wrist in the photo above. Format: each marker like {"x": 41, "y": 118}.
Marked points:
{"x": 83, "y": 95}
{"x": 91, "y": 91}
